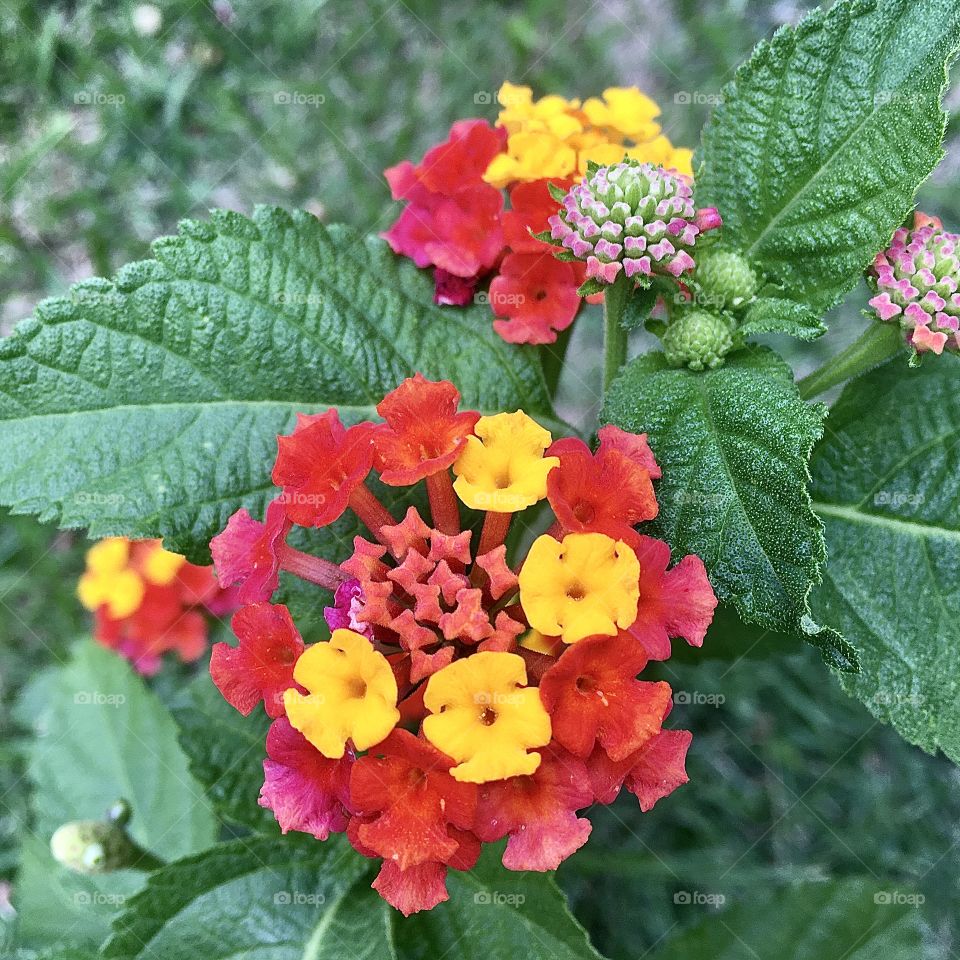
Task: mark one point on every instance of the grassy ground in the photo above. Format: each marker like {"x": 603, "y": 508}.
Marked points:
{"x": 113, "y": 126}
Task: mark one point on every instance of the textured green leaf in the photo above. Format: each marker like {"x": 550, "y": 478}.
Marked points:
{"x": 493, "y": 912}
{"x": 820, "y": 143}
{"x": 297, "y": 899}
{"x": 886, "y": 485}
{"x": 258, "y": 898}
{"x": 851, "y": 919}
{"x": 150, "y": 405}
{"x": 102, "y": 736}
{"x": 225, "y": 750}
{"x": 733, "y": 444}
{"x": 779, "y": 315}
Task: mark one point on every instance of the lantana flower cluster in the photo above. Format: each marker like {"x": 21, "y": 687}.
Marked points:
{"x": 464, "y": 696}
{"x": 917, "y": 279}
{"x": 456, "y": 220}
{"x": 148, "y": 601}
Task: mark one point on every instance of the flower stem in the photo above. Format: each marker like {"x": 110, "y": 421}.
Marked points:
{"x": 372, "y": 513}
{"x": 614, "y": 335}
{"x": 494, "y": 532}
{"x": 314, "y": 569}
{"x": 444, "y": 508}
{"x": 877, "y": 343}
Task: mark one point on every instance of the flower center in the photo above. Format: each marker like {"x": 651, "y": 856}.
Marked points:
{"x": 488, "y": 717}
{"x": 586, "y": 685}
{"x": 576, "y": 591}
{"x": 356, "y": 688}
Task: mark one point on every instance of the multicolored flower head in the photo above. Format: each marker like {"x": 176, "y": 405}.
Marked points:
{"x": 465, "y": 695}
{"x": 475, "y": 200}
{"x": 917, "y": 279}
{"x": 634, "y": 218}
{"x": 148, "y": 601}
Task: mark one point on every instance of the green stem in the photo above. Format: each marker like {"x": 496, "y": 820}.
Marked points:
{"x": 614, "y": 335}
{"x": 879, "y": 342}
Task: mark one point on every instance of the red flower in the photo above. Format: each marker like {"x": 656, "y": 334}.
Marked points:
{"x": 456, "y": 164}
{"x": 606, "y": 492}
{"x": 673, "y": 603}
{"x": 247, "y": 552}
{"x": 409, "y": 801}
{"x": 423, "y": 432}
{"x": 538, "y": 295}
{"x": 651, "y": 773}
{"x": 593, "y": 696}
{"x": 537, "y": 812}
{"x": 319, "y": 465}
{"x": 461, "y": 234}
{"x": 305, "y": 790}
{"x": 451, "y": 290}
{"x": 453, "y": 217}
{"x": 633, "y": 446}
{"x": 261, "y": 667}
{"x": 531, "y": 206}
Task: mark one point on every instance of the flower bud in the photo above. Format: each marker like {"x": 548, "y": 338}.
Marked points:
{"x": 725, "y": 278}
{"x": 698, "y": 340}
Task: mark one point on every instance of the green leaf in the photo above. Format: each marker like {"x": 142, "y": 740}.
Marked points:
{"x": 259, "y": 898}
{"x": 885, "y": 484}
{"x": 226, "y": 752}
{"x": 493, "y": 912}
{"x": 636, "y": 310}
{"x": 150, "y": 405}
{"x": 102, "y": 736}
{"x": 733, "y": 444}
{"x": 590, "y": 287}
{"x": 852, "y": 918}
{"x": 778, "y": 315}
{"x": 823, "y": 137}
{"x": 295, "y": 899}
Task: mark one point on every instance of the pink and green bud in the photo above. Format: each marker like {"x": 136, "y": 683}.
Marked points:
{"x": 917, "y": 279}
{"x": 633, "y": 218}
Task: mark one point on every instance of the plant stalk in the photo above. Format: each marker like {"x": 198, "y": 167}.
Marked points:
{"x": 877, "y": 343}
{"x": 614, "y": 335}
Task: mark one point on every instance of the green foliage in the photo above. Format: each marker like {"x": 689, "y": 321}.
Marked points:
{"x": 847, "y": 918}
{"x": 102, "y": 736}
{"x": 885, "y": 484}
{"x": 733, "y": 444}
{"x": 824, "y": 136}
{"x": 302, "y": 898}
{"x": 165, "y": 389}
{"x": 770, "y": 314}
{"x": 225, "y": 750}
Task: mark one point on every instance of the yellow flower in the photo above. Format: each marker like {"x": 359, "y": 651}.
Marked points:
{"x": 586, "y": 585}
{"x": 502, "y": 469}
{"x": 625, "y": 113}
{"x": 531, "y": 156}
{"x": 555, "y": 138}
{"x": 352, "y": 695}
{"x": 161, "y": 566}
{"x": 109, "y": 581}
{"x": 484, "y": 717}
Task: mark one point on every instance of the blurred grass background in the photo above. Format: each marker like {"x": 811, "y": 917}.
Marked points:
{"x": 119, "y": 119}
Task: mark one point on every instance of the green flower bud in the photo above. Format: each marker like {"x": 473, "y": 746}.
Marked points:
{"x": 698, "y": 340}
{"x": 725, "y": 278}
{"x": 93, "y": 846}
